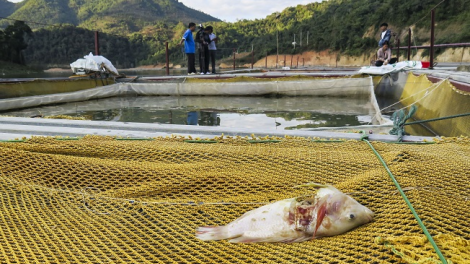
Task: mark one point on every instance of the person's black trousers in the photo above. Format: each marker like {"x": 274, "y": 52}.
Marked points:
{"x": 191, "y": 62}
{"x": 380, "y": 63}
{"x": 212, "y": 54}
{"x": 204, "y": 59}
{"x": 207, "y": 60}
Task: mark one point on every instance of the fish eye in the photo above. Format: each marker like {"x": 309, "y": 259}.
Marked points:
{"x": 352, "y": 216}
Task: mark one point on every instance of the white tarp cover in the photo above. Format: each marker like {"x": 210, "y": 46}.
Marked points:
{"x": 391, "y": 68}
{"x": 94, "y": 64}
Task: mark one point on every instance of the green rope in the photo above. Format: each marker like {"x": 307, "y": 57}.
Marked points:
{"x": 399, "y": 119}
{"x": 365, "y": 138}
{"x": 263, "y": 141}
{"x": 328, "y": 141}
{"x": 135, "y": 139}
{"x": 437, "y": 119}
{"x": 201, "y": 141}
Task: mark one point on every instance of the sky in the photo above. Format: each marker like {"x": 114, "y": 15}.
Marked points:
{"x": 231, "y": 10}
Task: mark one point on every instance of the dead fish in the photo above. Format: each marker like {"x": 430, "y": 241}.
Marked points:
{"x": 329, "y": 213}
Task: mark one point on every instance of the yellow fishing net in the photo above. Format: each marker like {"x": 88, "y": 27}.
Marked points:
{"x": 435, "y": 100}
{"x": 414, "y": 249}
{"x": 103, "y": 200}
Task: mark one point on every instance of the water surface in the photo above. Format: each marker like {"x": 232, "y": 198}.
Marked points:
{"x": 234, "y": 112}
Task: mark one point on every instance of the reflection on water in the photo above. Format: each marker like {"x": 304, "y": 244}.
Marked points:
{"x": 203, "y": 118}
{"x": 235, "y": 112}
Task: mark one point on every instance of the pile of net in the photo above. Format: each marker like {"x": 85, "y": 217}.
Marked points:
{"x": 104, "y": 200}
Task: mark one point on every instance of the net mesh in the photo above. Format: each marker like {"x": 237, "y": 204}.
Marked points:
{"x": 435, "y": 100}
{"x": 102, "y": 200}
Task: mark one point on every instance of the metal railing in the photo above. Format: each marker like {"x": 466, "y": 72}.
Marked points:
{"x": 431, "y": 46}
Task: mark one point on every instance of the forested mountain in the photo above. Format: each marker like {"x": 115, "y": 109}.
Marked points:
{"x": 6, "y": 8}
{"x": 61, "y": 46}
{"x": 347, "y": 26}
{"x": 112, "y": 16}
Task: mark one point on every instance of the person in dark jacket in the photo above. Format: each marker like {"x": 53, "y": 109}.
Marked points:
{"x": 386, "y": 34}
{"x": 203, "y": 40}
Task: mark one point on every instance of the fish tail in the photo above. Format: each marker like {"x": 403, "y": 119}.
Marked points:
{"x": 212, "y": 233}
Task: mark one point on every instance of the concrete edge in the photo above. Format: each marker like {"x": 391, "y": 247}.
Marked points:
{"x": 58, "y": 127}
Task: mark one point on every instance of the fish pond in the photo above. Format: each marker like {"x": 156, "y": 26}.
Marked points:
{"x": 268, "y": 113}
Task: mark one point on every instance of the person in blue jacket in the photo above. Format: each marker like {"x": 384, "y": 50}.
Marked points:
{"x": 386, "y": 34}
{"x": 190, "y": 47}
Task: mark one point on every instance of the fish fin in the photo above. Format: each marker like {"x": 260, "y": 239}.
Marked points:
{"x": 245, "y": 239}
{"x": 299, "y": 239}
{"x": 251, "y": 237}
{"x": 212, "y": 233}
{"x": 312, "y": 184}
{"x": 320, "y": 216}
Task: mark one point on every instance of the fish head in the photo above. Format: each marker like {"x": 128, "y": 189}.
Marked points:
{"x": 344, "y": 213}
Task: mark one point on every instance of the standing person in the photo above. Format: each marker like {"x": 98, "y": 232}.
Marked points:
{"x": 212, "y": 46}
{"x": 385, "y": 35}
{"x": 190, "y": 48}
{"x": 384, "y": 55}
{"x": 203, "y": 40}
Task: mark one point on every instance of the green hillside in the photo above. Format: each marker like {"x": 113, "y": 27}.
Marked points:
{"x": 347, "y": 26}
{"x": 113, "y": 16}
{"x": 45, "y": 11}
{"x": 61, "y": 46}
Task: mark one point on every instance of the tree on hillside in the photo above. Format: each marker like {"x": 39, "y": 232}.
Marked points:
{"x": 12, "y": 42}
{"x": 137, "y": 34}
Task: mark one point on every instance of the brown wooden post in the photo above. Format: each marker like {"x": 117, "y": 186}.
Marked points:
{"x": 409, "y": 44}
{"x": 398, "y": 50}
{"x": 233, "y": 59}
{"x": 266, "y": 62}
{"x": 431, "y": 53}
{"x": 167, "y": 59}
{"x": 97, "y": 43}
{"x": 291, "y": 60}
{"x": 297, "y": 62}
{"x": 252, "y": 58}
{"x": 285, "y": 58}
{"x": 277, "y": 60}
